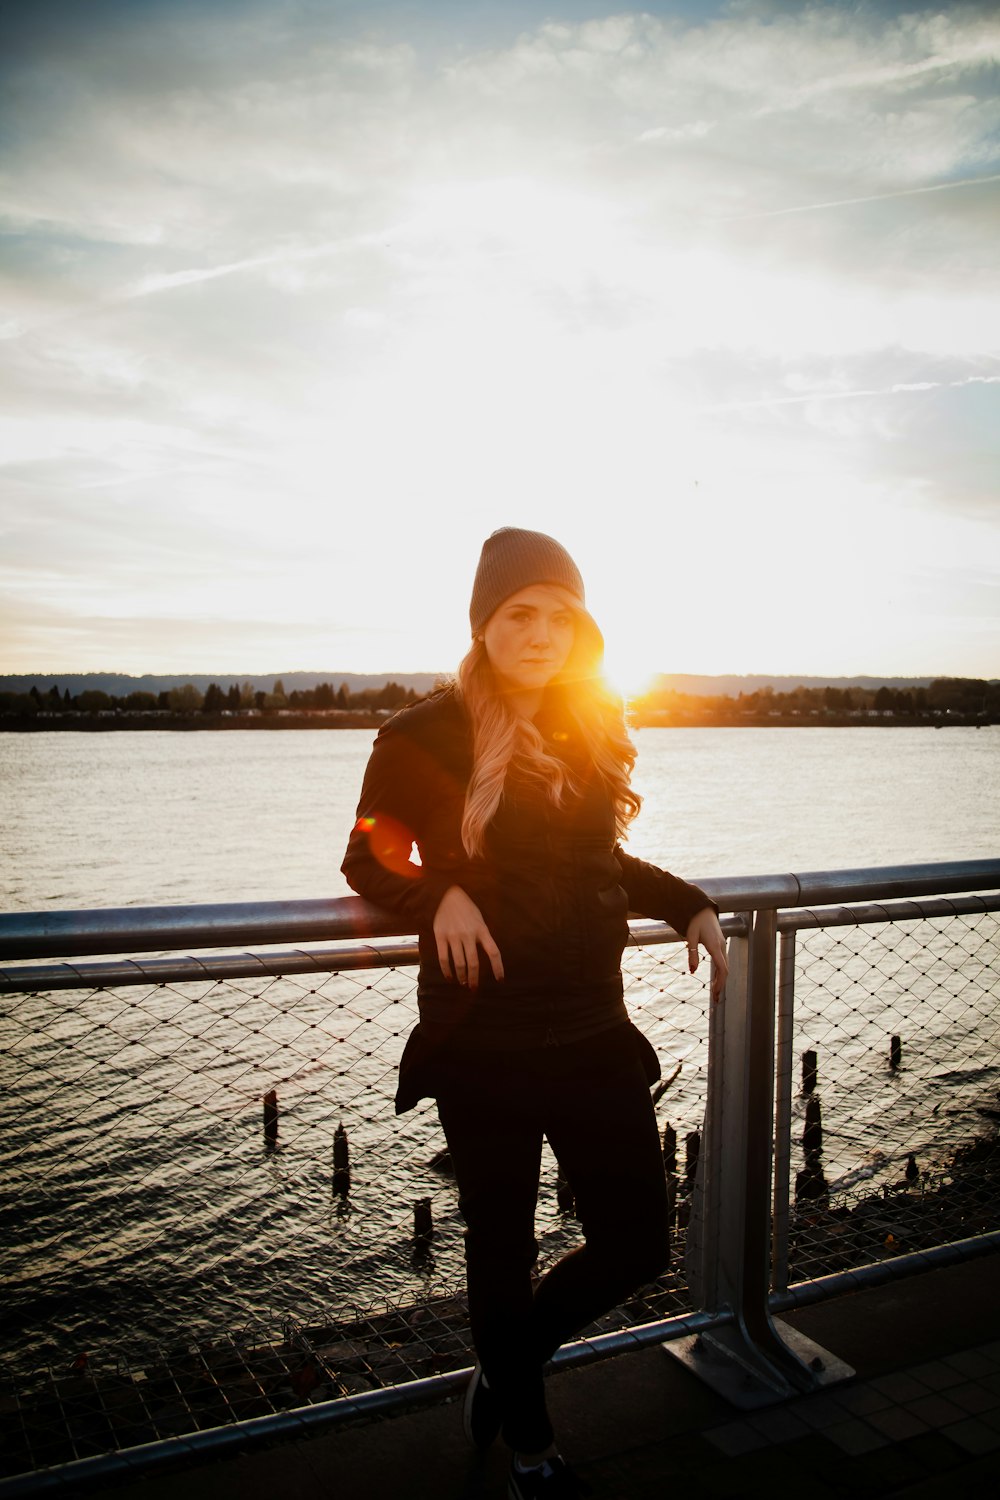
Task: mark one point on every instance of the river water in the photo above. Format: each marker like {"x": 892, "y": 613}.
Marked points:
{"x": 140, "y": 1202}
{"x": 135, "y": 819}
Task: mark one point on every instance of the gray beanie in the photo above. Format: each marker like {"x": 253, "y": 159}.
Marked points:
{"x": 512, "y": 560}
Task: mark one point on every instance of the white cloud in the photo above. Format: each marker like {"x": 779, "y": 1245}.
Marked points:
{"x": 281, "y": 284}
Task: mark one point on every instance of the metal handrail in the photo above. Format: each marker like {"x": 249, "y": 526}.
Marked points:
{"x": 276, "y": 963}
{"x": 735, "y": 1188}
{"x": 741, "y": 1203}
{"x": 137, "y": 929}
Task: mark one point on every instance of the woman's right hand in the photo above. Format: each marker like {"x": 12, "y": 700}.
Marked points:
{"x": 460, "y": 932}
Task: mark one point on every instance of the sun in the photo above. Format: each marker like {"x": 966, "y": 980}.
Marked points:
{"x": 629, "y": 676}
{"x": 630, "y": 615}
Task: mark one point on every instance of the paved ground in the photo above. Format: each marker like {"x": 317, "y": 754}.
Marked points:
{"x": 920, "y": 1419}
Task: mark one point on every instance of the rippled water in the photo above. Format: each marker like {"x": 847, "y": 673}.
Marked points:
{"x": 129, "y": 819}
{"x": 139, "y": 1202}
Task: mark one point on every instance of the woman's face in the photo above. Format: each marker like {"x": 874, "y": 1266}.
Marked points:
{"x": 529, "y": 638}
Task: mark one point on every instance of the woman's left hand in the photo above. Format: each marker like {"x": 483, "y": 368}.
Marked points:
{"x": 704, "y": 928}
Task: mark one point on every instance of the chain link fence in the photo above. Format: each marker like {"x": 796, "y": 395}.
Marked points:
{"x": 895, "y": 1094}
{"x": 213, "y": 1213}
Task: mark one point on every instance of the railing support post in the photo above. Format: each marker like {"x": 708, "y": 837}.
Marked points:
{"x": 752, "y": 1360}
{"x": 783, "y": 1110}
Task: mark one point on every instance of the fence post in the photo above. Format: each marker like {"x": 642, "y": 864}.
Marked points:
{"x": 751, "y": 1360}
{"x": 783, "y": 1110}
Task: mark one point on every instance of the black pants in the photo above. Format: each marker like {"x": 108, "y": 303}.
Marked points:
{"x": 591, "y": 1099}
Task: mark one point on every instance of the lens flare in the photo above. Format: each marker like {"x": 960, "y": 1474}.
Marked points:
{"x": 391, "y": 842}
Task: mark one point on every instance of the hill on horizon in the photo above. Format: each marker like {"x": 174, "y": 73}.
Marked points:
{"x": 119, "y": 684}
{"x": 732, "y": 684}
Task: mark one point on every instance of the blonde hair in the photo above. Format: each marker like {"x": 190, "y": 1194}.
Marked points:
{"x": 502, "y": 739}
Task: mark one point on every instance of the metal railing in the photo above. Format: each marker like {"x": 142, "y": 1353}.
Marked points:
{"x": 221, "y": 1230}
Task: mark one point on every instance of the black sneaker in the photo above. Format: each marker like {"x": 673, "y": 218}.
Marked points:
{"x": 481, "y": 1416}
{"x": 553, "y": 1480}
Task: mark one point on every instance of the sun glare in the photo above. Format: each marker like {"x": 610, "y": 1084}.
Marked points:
{"x": 628, "y": 676}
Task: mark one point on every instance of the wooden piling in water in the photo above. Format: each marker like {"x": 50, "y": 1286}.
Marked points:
{"x": 811, "y": 1182}
{"x": 271, "y": 1118}
{"x": 341, "y": 1162}
{"x": 895, "y": 1052}
{"x": 669, "y": 1148}
{"x": 423, "y": 1222}
{"x": 672, "y": 1186}
{"x": 808, "y": 1072}
{"x": 692, "y": 1150}
{"x": 812, "y": 1134}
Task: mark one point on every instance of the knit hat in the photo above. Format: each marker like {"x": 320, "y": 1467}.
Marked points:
{"x": 512, "y": 560}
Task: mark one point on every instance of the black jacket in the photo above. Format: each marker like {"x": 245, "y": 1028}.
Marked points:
{"x": 554, "y": 886}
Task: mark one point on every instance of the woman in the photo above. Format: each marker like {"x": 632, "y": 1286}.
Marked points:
{"x": 513, "y": 785}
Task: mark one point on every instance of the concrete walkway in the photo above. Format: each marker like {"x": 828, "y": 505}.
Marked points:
{"x": 920, "y": 1419}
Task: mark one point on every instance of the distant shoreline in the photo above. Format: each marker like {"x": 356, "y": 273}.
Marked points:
{"x": 85, "y": 723}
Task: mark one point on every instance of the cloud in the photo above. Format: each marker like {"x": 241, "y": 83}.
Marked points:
{"x": 273, "y": 275}
{"x": 902, "y": 387}
{"x": 934, "y": 187}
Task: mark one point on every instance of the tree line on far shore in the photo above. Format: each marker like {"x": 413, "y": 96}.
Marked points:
{"x": 964, "y": 697}
{"x": 237, "y": 698}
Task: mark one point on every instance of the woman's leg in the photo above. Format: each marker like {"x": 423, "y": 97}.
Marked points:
{"x": 494, "y": 1133}
{"x": 600, "y": 1122}
{"x": 593, "y": 1103}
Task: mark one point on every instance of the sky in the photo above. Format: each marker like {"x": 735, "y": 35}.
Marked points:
{"x": 300, "y": 300}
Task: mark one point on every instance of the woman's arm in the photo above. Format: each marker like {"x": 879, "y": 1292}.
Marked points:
{"x": 653, "y": 892}
{"x": 704, "y": 928}
{"x": 405, "y": 788}
{"x": 397, "y": 799}
{"x": 460, "y": 932}
{"x": 657, "y": 893}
